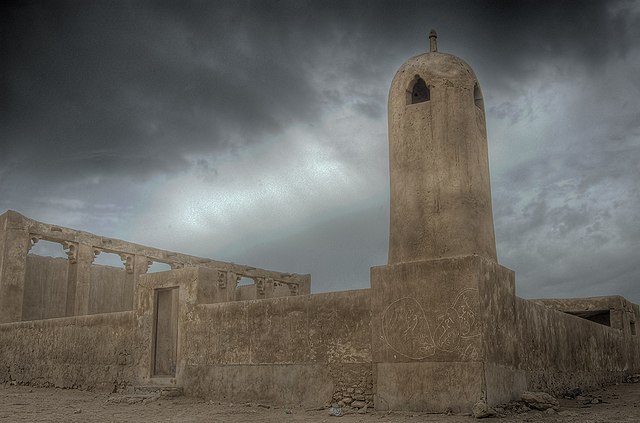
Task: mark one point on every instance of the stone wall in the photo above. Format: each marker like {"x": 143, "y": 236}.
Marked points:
{"x": 73, "y": 352}
{"x": 302, "y": 350}
{"x": 530, "y": 346}
{"x": 560, "y": 351}
{"x": 109, "y": 290}
{"x": 45, "y": 288}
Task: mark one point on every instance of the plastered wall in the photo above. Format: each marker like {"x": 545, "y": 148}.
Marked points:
{"x": 560, "y": 351}
{"x": 531, "y": 346}
{"x": 96, "y": 351}
{"x": 45, "y": 288}
{"x": 293, "y": 350}
{"x": 109, "y": 290}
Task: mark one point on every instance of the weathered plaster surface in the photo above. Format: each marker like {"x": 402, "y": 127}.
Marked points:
{"x": 439, "y": 165}
{"x": 96, "y": 351}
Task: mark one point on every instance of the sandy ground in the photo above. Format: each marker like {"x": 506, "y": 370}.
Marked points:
{"x": 619, "y": 403}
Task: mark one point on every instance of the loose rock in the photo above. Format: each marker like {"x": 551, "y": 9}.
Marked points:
{"x": 336, "y": 411}
{"x": 540, "y": 400}
{"x": 481, "y": 410}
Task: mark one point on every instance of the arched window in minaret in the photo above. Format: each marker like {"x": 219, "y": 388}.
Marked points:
{"x": 477, "y": 96}
{"x": 418, "y": 91}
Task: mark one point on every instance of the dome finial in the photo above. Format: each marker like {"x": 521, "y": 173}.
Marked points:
{"x": 433, "y": 43}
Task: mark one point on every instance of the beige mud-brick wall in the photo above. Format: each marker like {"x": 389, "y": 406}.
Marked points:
{"x": 97, "y": 351}
{"x": 302, "y": 350}
{"x": 109, "y": 290}
{"x": 45, "y": 288}
{"x": 560, "y": 351}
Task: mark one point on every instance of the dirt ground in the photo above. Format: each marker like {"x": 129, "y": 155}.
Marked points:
{"x": 619, "y": 403}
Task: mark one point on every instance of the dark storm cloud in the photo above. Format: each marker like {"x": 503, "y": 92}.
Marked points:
{"x": 117, "y": 87}
{"x": 131, "y": 87}
{"x": 99, "y": 97}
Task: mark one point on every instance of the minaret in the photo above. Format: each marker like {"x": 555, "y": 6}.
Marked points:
{"x": 440, "y": 306}
{"x": 439, "y": 169}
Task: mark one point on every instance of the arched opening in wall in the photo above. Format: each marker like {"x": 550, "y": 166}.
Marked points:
{"x": 246, "y": 289}
{"x": 418, "y": 91}
{"x": 244, "y": 281}
{"x": 477, "y": 96}
{"x": 45, "y": 282}
{"x": 110, "y": 285}
{"x": 46, "y": 248}
{"x": 158, "y": 266}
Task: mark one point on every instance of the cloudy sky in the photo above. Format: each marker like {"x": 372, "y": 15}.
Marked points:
{"x": 255, "y": 131}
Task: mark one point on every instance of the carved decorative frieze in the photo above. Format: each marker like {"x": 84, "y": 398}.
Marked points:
{"x": 260, "y": 285}
{"x": 33, "y": 240}
{"x": 96, "y": 253}
{"x": 127, "y": 260}
{"x": 222, "y": 279}
{"x": 236, "y": 278}
{"x": 71, "y": 249}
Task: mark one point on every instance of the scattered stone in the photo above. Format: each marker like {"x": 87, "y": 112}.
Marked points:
{"x": 573, "y": 393}
{"x": 550, "y": 411}
{"x": 481, "y": 410}
{"x": 540, "y": 400}
{"x": 363, "y": 410}
{"x": 633, "y": 378}
{"x": 347, "y": 400}
{"x": 358, "y": 404}
{"x": 77, "y": 411}
{"x": 580, "y": 398}
{"x": 523, "y": 409}
{"x": 595, "y": 401}
{"x": 151, "y": 399}
{"x": 336, "y": 411}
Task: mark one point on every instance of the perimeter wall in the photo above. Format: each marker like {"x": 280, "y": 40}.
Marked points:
{"x": 301, "y": 349}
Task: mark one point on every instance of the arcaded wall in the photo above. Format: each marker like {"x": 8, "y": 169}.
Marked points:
{"x": 45, "y": 288}
{"x": 93, "y": 289}
{"x": 302, "y": 350}
{"x": 73, "y": 352}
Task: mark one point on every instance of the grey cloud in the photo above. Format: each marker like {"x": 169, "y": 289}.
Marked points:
{"x": 99, "y": 98}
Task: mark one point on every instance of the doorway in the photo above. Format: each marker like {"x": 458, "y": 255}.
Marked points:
{"x": 165, "y": 349}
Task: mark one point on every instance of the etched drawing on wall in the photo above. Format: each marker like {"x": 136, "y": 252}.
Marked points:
{"x": 407, "y": 331}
